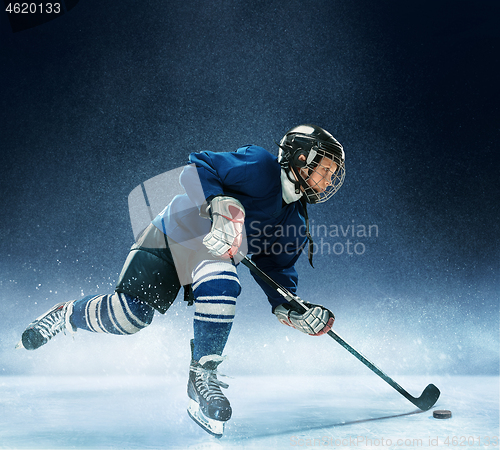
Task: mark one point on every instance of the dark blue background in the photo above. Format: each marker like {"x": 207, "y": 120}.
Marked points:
{"x": 113, "y": 93}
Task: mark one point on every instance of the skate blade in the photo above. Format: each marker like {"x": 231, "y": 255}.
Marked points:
{"x": 214, "y": 427}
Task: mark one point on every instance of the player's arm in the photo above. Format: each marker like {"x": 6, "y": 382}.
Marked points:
{"x": 226, "y": 234}
{"x": 205, "y": 182}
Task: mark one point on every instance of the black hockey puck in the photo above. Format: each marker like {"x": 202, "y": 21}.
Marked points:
{"x": 441, "y": 414}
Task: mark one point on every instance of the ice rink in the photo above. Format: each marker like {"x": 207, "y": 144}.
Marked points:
{"x": 136, "y": 412}
{"x": 287, "y": 390}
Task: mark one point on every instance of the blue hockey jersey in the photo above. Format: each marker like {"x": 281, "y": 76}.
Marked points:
{"x": 275, "y": 231}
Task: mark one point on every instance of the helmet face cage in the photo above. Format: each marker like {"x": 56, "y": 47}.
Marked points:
{"x": 319, "y": 180}
{"x": 315, "y": 173}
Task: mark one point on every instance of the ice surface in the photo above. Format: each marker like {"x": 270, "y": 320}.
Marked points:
{"x": 134, "y": 412}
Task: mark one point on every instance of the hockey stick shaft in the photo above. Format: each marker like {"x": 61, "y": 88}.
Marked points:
{"x": 424, "y": 402}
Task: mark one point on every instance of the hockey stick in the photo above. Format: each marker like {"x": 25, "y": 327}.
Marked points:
{"x": 428, "y": 397}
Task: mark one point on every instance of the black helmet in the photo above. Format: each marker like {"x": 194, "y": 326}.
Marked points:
{"x": 302, "y": 153}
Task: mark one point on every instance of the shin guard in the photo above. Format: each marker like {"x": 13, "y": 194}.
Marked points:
{"x": 215, "y": 287}
{"x": 115, "y": 314}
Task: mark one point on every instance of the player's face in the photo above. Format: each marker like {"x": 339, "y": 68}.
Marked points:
{"x": 321, "y": 176}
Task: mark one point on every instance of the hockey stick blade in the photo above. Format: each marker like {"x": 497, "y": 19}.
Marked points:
{"x": 428, "y": 398}
{"x": 430, "y": 394}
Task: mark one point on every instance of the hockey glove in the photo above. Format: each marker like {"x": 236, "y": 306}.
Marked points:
{"x": 317, "y": 320}
{"x": 226, "y": 234}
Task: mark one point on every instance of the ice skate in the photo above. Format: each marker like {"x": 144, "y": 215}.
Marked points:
{"x": 45, "y": 327}
{"x": 208, "y": 406}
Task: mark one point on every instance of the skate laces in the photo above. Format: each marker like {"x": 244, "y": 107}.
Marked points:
{"x": 206, "y": 378}
{"x": 53, "y": 322}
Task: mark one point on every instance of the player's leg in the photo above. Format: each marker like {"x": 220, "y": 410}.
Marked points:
{"x": 215, "y": 287}
{"x": 116, "y": 313}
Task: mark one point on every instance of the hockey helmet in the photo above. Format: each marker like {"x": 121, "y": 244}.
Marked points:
{"x": 308, "y": 150}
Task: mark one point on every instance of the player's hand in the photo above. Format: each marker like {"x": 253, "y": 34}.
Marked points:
{"x": 317, "y": 320}
{"x": 226, "y": 234}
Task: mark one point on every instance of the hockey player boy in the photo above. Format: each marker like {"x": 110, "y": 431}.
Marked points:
{"x": 234, "y": 202}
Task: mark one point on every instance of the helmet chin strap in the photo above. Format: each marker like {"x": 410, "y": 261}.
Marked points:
{"x": 288, "y": 186}
{"x": 300, "y": 182}
{"x": 296, "y": 181}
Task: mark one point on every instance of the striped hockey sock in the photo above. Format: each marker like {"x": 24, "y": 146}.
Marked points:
{"x": 115, "y": 314}
{"x": 215, "y": 288}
